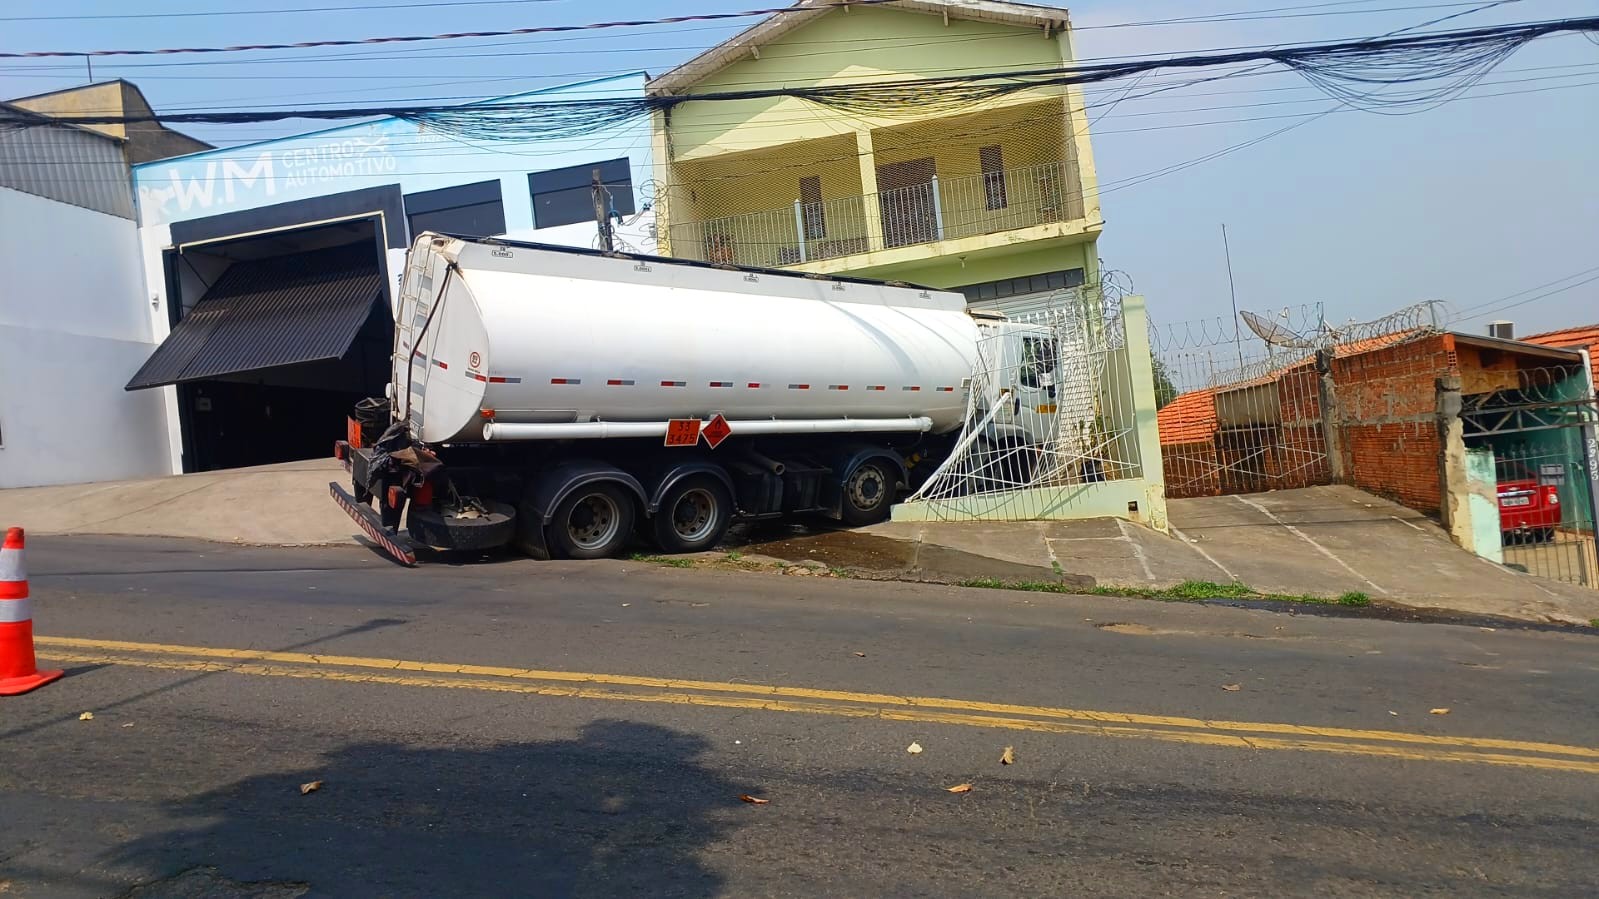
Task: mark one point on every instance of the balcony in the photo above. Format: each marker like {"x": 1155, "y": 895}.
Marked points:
{"x": 922, "y": 212}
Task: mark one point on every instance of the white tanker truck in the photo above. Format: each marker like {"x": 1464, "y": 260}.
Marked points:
{"x": 568, "y": 401}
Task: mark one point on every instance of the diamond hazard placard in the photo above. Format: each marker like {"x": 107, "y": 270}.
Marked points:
{"x": 716, "y": 430}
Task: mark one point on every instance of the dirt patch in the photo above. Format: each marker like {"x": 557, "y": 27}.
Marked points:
{"x": 1122, "y": 627}
{"x": 871, "y": 556}
{"x": 208, "y": 883}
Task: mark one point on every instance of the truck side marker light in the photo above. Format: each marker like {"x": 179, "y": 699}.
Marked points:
{"x": 799, "y": 387}
{"x": 674, "y": 383}
{"x": 619, "y": 382}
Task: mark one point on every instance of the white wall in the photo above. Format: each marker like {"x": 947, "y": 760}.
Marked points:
{"x": 74, "y": 327}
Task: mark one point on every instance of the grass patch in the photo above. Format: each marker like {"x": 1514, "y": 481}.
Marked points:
{"x": 1593, "y": 622}
{"x": 668, "y": 561}
{"x": 1187, "y": 591}
{"x": 734, "y": 556}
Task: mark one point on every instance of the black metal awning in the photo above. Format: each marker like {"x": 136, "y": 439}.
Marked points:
{"x": 262, "y": 313}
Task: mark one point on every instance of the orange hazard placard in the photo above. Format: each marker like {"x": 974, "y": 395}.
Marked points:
{"x": 717, "y": 430}
{"x": 683, "y": 432}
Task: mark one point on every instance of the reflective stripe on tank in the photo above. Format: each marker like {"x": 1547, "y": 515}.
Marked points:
{"x": 15, "y": 611}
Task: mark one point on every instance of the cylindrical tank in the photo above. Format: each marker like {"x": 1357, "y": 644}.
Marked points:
{"x": 530, "y": 334}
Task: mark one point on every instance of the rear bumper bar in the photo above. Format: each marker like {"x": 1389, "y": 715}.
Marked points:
{"x": 398, "y": 547}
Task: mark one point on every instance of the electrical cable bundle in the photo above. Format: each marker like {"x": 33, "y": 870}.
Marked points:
{"x": 1385, "y": 74}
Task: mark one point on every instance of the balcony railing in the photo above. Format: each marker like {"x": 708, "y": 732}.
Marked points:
{"x": 940, "y": 209}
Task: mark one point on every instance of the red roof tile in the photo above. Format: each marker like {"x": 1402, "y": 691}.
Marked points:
{"x": 1580, "y": 337}
{"x": 1190, "y": 418}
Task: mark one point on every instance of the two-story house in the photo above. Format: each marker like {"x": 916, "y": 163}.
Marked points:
{"x": 995, "y": 197}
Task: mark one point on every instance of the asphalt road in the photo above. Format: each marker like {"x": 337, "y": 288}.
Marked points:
{"x": 554, "y": 729}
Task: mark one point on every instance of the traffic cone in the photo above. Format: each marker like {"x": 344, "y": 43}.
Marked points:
{"x": 18, "y": 671}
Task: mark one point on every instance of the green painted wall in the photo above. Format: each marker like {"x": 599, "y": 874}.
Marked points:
{"x": 857, "y": 45}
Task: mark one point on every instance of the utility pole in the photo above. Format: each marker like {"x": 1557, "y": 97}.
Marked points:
{"x": 89, "y": 61}
{"x": 1238, "y": 337}
{"x": 601, "y": 213}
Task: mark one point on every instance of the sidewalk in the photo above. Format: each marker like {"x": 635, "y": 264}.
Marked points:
{"x": 1319, "y": 540}
{"x": 286, "y": 505}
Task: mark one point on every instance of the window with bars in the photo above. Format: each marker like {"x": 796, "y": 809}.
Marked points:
{"x": 992, "y": 159}
{"x": 811, "y": 208}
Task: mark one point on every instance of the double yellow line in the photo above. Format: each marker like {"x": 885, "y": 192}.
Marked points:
{"x": 1256, "y": 735}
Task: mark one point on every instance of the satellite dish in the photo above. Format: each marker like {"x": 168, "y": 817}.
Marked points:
{"x": 1273, "y": 333}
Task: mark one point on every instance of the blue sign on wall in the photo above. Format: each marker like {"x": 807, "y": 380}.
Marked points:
{"x": 389, "y": 151}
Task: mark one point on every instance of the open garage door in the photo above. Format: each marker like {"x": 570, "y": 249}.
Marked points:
{"x": 266, "y": 313}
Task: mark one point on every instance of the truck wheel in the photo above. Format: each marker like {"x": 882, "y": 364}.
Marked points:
{"x": 693, "y": 516}
{"x": 868, "y": 493}
{"x": 429, "y": 528}
{"x": 592, "y": 522}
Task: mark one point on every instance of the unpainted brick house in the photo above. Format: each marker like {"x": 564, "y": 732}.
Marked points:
{"x": 1371, "y": 413}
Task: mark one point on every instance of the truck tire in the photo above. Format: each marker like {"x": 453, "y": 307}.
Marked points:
{"x": 693, "y": 515}
{"x": 868, "y": 492}
{"x": 430, "y": 528}
{"x": 592, "y": 522}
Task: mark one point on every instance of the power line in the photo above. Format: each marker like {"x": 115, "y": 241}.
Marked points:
{"x": 1545, "y": 295}
{"x": 451, "y": 36}
{"x": 1482, "y": 309}
{"x": 1345, "y": 70}
{"x": 1103, "y": 188}
{"x": 293, "y": 10}
{"x": 1234, "y": 16}
{"x": 635, "y": 23}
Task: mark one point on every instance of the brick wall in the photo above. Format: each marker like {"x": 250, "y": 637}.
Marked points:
{"x": 1387, "y": 412}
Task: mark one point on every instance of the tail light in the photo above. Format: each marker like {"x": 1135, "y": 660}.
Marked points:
{"x": 1551, "y": 496}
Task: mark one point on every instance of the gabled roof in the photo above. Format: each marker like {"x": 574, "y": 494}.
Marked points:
{"x": 1190, "y": 418}
{"x": 766, "y": 31}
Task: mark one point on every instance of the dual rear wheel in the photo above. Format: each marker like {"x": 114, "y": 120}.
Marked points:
{"x": 597, "y": 520}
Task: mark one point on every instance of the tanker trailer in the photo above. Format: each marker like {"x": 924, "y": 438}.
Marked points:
{"x": 568, "y": 401}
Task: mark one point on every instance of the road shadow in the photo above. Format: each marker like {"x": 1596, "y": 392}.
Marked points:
{"x": 625, "y": 809}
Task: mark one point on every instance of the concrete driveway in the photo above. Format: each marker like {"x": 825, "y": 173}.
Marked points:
{"x": 1318, "y": 540}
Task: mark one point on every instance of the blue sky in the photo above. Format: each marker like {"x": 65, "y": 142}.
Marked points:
{"x": 1483, "y": 203}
